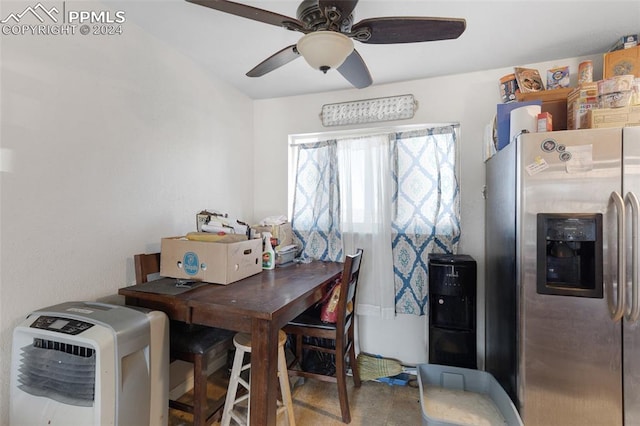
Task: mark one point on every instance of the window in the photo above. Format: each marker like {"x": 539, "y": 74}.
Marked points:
{"x": 393, "y": 193}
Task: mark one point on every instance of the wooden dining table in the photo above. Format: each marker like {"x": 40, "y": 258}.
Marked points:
{"x": 260, "y": 304}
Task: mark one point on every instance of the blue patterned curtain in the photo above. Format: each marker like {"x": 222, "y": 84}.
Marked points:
{"x": 316, "y": 203}
{"x": 427, "y": 210}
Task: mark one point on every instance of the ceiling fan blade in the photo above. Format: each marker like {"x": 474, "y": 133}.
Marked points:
{"x": 345, "y": 7}
{"x": 355, "y": 71}
{"x": 408, "y": 29}
{"x": 274, "y": 61}
{"x": 251, "y": 12}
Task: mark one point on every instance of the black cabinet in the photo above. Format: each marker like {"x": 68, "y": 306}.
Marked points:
{"x": 452, "y": 310}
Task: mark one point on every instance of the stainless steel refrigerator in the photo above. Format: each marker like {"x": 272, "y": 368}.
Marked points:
{"x": 562, "y": 335}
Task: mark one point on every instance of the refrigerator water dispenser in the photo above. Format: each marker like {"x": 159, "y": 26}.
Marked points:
{"x": 569, "y": 251}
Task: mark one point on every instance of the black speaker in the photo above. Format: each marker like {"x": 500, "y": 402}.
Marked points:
{"x": 452, "y": 310}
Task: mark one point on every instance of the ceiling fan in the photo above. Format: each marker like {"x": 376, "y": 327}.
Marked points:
{"x": 328, "y": 30}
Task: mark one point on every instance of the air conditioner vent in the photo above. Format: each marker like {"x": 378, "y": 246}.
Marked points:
{"x": 64, "y": 347}
{"x": 60, "y": 371}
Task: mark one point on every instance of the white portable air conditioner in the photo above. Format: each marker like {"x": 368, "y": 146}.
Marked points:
{"x": 84, "y": 363}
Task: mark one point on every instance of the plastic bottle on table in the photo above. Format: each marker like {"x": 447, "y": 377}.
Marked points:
{"x": 268, "y": 254}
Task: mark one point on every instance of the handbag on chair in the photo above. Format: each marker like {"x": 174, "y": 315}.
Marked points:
{"x": 329, "y": 305}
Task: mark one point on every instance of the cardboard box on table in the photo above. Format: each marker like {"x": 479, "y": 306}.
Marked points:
{"x": 211, "y": 262}
{"x": 283, "y": 233}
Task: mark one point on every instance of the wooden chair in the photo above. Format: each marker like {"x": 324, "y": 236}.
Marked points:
{"x": 191, "y": 343}
{"x": 341, "y": 333}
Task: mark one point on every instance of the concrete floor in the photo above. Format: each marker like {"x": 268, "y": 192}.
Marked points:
{"x": 316, "y": 403}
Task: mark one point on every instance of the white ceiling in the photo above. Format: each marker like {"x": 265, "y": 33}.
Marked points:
{"x": 498, "y": 34}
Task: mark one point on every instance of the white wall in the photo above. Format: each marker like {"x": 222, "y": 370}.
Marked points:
{"x": 469, "y": 99}
{"x": 116, "y": 142}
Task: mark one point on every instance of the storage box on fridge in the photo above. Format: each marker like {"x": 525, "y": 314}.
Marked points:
{"x": 625, "y": 42}
{"x": 212, "y": 262}
{"x": 579, "y": 101}
{"x": 611, "y": 117}
{"x": 620, "y": 62}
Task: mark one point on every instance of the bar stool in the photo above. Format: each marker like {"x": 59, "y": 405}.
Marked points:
{"x": 242, "y": 342}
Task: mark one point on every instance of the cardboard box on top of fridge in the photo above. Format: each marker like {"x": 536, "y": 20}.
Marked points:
{"x": 625, "y": 42}
{"x": 620, "y": 62}
{"x": 211, "y": 262}
{"x": 579, "y": 101}
{"x": 611, "y": 117}
{"x": 583, "y": 91}
{"x": 615, "y": 84}
{"x": 615, "y": 92}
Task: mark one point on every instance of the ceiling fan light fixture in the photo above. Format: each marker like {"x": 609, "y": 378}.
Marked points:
{"x": 324, "y": 50}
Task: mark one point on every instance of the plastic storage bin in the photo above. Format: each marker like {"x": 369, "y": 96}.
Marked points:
{"x": 457, "y": 378}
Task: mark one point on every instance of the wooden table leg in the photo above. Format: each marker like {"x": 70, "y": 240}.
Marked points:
{"x": 264, "y": 373}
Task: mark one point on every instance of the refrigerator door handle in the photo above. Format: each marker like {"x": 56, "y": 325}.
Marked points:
{"x": 633, "y": 311}
{"x": 617, "y": 309}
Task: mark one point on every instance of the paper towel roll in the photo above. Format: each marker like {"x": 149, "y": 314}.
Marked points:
{"x": 523, "y": 118}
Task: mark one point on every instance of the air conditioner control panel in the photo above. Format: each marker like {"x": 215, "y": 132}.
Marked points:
{"x": 61, "y": 325}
